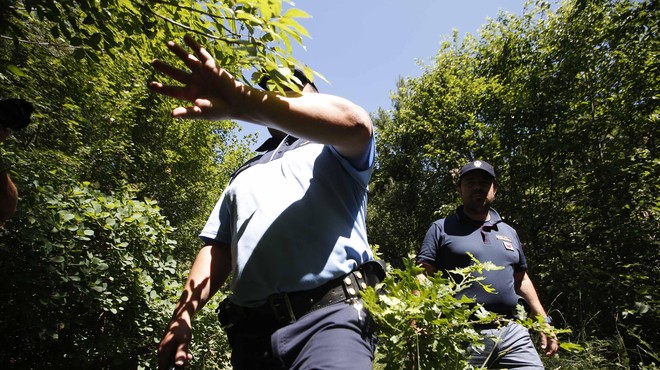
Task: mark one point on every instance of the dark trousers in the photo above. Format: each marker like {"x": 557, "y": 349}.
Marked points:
{"x": 335, "y": 337}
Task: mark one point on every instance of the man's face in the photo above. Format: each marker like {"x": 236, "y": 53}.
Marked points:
{"x": 477, "y": 189}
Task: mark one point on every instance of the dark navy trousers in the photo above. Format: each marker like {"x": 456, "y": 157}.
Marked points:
{"x": 336, "y": 337}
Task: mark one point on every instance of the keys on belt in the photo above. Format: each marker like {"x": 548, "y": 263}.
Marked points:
{"x": 286, "y": 308}
{"x": 289, "y": 307}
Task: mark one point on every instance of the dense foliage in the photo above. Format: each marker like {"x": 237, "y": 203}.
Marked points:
{"x": 563, "y": 100}
{"x": 423, "y": 324}
{"x": 564, "y": 103}
{"x": 79, "y": 268}
{"x": 253, "y": 34}
{"x": 113, "y": 191}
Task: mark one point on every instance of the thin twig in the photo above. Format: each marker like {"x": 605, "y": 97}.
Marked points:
{"x": 199, "y": 11}
{"x": 192, "y": 30}
{"x": 38, "y": 42}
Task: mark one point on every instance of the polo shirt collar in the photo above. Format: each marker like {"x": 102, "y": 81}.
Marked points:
{"x": 494, "y": 217}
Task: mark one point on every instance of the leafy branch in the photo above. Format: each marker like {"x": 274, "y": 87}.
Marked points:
{"x": 425, "y": 323}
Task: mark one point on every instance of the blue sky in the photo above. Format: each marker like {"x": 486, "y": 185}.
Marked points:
{"x": 363, "y": 46}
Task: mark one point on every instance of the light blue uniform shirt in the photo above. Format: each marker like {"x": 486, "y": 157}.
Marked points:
{"x": 294, "y": 222}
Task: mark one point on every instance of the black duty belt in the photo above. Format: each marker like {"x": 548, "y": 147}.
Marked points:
{"x": 286, "y": 308}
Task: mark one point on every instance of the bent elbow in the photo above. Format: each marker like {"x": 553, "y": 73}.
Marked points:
{"x": 361, "y": 127}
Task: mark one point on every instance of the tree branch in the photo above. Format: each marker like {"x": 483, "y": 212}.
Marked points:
{"x": 192, "y": 30}
{"x": 198, "y": 11}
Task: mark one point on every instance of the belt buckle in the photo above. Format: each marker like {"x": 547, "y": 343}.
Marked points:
{"x": 282, "y": 309}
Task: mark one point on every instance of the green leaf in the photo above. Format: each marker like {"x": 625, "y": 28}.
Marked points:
{"x": 67, "y": 216}
{"x": 571, "y": 347}
{"x": 296, "y": 13}
{"x": 15, "y": 71}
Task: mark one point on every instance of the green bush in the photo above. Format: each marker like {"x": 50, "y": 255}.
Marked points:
{"x": 426, "y": 323}
{"x": 86, "y": 279}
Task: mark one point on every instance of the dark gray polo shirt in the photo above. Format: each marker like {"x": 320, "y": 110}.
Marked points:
{"x": 448, "y": 241}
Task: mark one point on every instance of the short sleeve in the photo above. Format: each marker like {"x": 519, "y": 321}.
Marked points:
{"x": 360, "y": 168}
{"x": 522, "y": 263}
{"x": 429, "y": 249}
{"x": 218, "y": 226}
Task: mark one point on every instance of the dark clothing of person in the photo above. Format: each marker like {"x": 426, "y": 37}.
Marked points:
{"x": 449, "y": 240}
{"x": 335, "y": 337}
{"x": 446, "y": 247}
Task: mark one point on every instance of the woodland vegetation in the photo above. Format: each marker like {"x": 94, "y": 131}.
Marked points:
{"x": 562, "y": 99}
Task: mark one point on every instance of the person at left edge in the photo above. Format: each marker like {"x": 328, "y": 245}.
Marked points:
{"x": 14, "y": 116}
{"x": 8, "y": 192}
{"x": 290, "y": 226}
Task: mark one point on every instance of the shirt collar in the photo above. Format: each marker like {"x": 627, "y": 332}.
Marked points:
{"x": 494, "y": 217}
{"x": 272, "y": 143}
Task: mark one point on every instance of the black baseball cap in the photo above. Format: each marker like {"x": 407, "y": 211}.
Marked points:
{"x": 477, "y": 165}
{"x": 297, "y": 72}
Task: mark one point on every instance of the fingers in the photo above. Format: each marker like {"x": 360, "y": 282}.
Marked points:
{"x": 202, "y": 54}
{"x": 544, "y": 343}
{"x": 185, "y": 77}
{"x": 193, "y": 45}
{"x": 544, "y": 340}
{"x": 182, "y": 355}
{"x": 187, "y": 112}
{"x": 174, "y": 73}
{"x": 177, "y": 92}
{"x": 553, "y": 346}
{"x": 194, "y": 62}
{"x": 548, "y": 345}
{"x": 188, "y": 59}
{"x": 211, "y": 89}
{"x": 196, "y": 111}
{"x": 172, "y": 351}
{"x": 165, "y": 356}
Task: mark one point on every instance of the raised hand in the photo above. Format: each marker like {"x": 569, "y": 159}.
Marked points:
{"x": 213, "y": 91}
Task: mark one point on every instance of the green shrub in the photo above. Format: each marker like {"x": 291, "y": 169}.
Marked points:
{"x": 427, "y": 323}
{"x": 86, "y": 279}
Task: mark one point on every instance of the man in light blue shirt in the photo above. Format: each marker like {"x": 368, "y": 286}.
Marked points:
{"x": 289, "y": 228}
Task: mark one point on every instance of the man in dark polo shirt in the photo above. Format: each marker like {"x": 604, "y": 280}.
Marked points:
{"x": 478, "y": 229}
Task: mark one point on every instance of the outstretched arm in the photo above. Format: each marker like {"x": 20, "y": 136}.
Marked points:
{"x": 215, "y": 94}
{"x": 211, "y": 268}
{"x": 525, "y": 288}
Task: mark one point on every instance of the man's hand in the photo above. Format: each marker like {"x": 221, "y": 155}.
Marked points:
{"x": 212, "y": 90}
{"x": 217, "y": 95}
{"x": 173, "y": 348}
{"x": 549, "y": 345}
